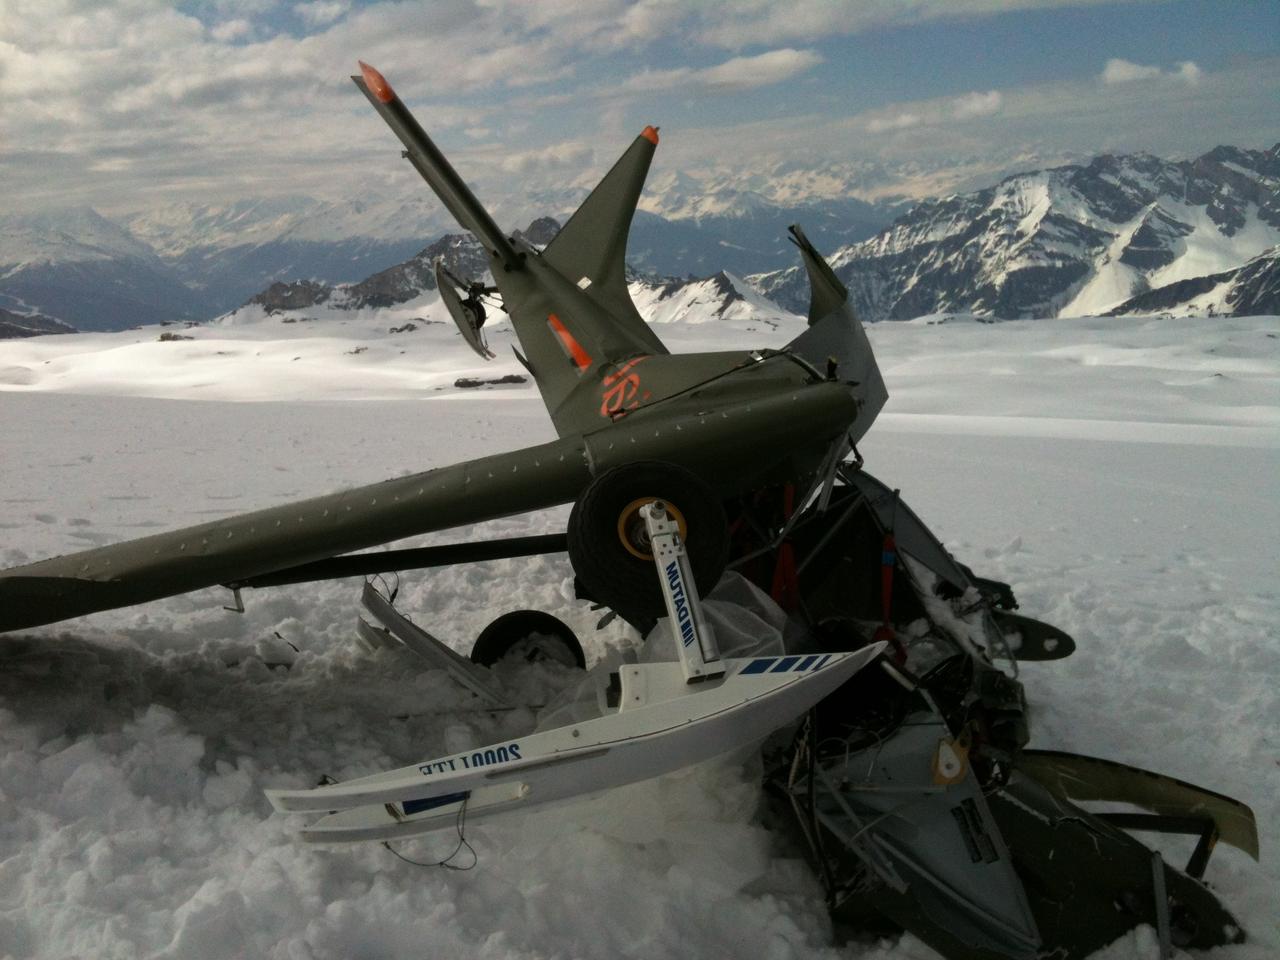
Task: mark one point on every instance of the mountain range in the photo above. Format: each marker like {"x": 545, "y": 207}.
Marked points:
{"x": 195, "y": 262}
{"x": 1120, "y": 234}
{"x": 405, "y": 293}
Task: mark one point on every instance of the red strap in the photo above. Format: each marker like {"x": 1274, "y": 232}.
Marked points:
{"x": 786, "y": 586}
{"x": 885, "y": 632}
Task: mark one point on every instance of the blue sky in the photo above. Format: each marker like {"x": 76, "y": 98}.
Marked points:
{"x": 126, "y": 104}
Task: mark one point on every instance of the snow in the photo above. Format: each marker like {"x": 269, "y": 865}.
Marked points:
{"x": 1207, "y": 250}
{"x": 1120, "y": 473}
{"x": 1112, "y": 281}
{"x": 703, "y": 301}
{"x": 71, "y": 235}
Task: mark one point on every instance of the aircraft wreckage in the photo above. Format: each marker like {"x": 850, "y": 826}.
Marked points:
{"x": 786, "y": 596}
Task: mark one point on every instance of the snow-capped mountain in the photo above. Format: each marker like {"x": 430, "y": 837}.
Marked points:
{"x": 79, "y": 267}
{"x": 1077, "y": 239}
{"x": 191, "y": 261}
{"x": 697, "y": 224}
{"x": 410, "y": 286}
{"x": 399, "y": 284}
{"x": 231, "y": 251}
{"x": 1250, "y": 290}
{"x": 1070, "y": 240}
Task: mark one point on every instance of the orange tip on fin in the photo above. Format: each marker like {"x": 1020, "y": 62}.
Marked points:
{"x": 377, "y": 83}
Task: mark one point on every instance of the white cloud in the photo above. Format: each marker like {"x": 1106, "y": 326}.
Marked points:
{"x": 744, "y": 22}
{"x": 977, "y": 104}
{"x": 230, "y": 30}
{"x": 320, "y": 12}
{"x": 1126, "y": 71}
{"x": 560, "y": 157}
{"x": 895, "y": 121}
{"x": 904, "y": 116}
{"x": 740, "y": 73}
{"x": 119, "y": 102}
{"x": 744, "y": 73}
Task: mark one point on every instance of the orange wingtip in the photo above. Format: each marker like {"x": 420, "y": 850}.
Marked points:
{"x": 376, "y": 83}
{"x": 650, "y": 134}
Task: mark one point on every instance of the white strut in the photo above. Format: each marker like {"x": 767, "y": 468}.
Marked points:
{"x": 694, "y": 639}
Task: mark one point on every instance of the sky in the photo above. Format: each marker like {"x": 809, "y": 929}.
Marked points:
{"x": 133, "y": 104}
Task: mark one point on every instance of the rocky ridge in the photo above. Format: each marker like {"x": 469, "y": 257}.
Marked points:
{"x": 15, "y": 325}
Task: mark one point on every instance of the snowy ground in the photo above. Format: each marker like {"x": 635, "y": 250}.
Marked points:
{"x": 1122, "y": 474}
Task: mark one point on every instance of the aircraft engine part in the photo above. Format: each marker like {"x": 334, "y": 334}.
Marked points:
{"x": 607, "y": 548}
{"x": 534, "y": 634}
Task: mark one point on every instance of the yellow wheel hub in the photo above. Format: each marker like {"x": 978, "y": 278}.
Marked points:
{"x": 633, "y": 533}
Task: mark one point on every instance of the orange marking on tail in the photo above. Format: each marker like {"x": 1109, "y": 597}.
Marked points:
{"x": 650, "y": 134}
{"x": 581, "y": 359}
{"x": 621, "y": 390}
{"x": 376, "y": 83}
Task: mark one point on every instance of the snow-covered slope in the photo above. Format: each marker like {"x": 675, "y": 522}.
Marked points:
{"x": 77, "y": 266}
{"x": 1064, "y": 241}
{"x": 1119, "y": 472}
{"x": 1251, "y": 289}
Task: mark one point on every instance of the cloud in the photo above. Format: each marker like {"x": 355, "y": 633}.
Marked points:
{"x": 904, "y": 116}
{"x": 744, "y": 73}
{"x": 1189, "y": 72}
{"x": 1119, "y": 71}
{"x": 977, "y": 105}
{"x": 743, "y": 22}
{"x": 230, "y": 30}
{"x": 896, "y": 121}
{"x": 560, "y": 157}
{"x": 740, "y": 73}
{"x": 121, "y": 102}
{"x": 320, "y": 12}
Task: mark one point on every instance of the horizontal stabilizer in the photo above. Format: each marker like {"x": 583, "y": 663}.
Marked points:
{"x": 434, "y": 167}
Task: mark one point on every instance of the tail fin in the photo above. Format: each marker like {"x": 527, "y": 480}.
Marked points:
{"x": 590, "y": 250}
{"x": 835, "y": 338}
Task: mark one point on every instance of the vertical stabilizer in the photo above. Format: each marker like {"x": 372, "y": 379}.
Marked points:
{"x": 590, "y": 250}
{"x": 835, "y": 340}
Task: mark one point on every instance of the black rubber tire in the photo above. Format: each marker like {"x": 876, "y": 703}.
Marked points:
{"x": 511, "y": 629}
{"x": 609, "y": 572}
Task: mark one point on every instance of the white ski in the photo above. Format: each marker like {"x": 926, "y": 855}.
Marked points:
{"x": 660, "y": 724}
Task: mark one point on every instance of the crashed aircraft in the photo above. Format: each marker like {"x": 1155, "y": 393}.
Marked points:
{"x": 785, "y": 594}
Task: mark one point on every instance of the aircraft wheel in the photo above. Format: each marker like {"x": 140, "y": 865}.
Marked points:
{"x": 609, "y": 545}
{"x": 532, "y": 634}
